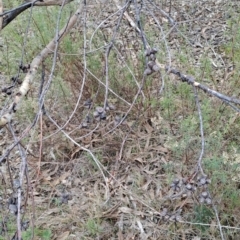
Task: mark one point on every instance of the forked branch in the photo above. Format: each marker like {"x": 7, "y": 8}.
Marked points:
{"x": 34, "y": 67}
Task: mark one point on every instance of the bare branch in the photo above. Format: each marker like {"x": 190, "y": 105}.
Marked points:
{"x": 1, "y": 11}
{"x": 191, "y": 80}
{"x": 8, "y": 16}
{"x": 50, "y": 2}
{"x": 199, "y": 163}
{"x": 34, "y": 67}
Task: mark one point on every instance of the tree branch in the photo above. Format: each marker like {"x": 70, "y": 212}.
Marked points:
{"x": 1, "y": 11}
{"x": 10, "y": 15}
{"x": 34, "y": 67}
{"x": 49, "y": 2}
{"x": 191, "y": 80}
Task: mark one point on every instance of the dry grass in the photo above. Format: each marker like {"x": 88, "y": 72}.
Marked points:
{"x": 131, "y": 192}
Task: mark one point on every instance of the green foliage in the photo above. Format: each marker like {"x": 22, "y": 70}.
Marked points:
{"x": 17, "y": 41}
{"x": 44, "y": 234}
{"x": 183, "y": 58}
{"x": 168, "y": 105}
{"x": 202, "y": 214}
{"x": 214, "y": 166}
{"x": 28, "y": 110}
{"x": 185, "y": 91}
{"x": 231, "y": 197}
{"x": 206, "y": 66}
{"x": 93, "y": 227}
{"x": 11, "y": 229}
{"x": 92, "y": 161}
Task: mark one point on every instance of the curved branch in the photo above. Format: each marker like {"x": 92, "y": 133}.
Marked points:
{"x": 10, "y": 15}
{"x": 13, "y": 14}
{"x": 34, "y": 67}
{"x": 49, "y": 2}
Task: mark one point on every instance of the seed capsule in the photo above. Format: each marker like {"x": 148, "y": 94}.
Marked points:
{"x": 154, "y": 50}
{"x": 201, "y": 200}
{"x": 204, "y": 194}
{"x": 208, "y": 200}
{"x": 152, "y": 57}
{"x": 147, "y": 71}
{"x": 151, "y": 64}
{"x": 100, "y": 109}
{"x": 155, "y": 68}
{"x": 95, "y": 114}
{"x": 189, "y": 186}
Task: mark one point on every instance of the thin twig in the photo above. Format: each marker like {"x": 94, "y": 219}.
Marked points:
{"x": 108, "y": 52}
{"x": 199, "y": 162}
{"x": 100, "y": 166}
{"x": 20, "y": 185}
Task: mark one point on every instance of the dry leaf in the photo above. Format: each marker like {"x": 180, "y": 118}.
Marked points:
{"x": 196, "y": 238}
{"x": 125, "y": 210}
{"x": 61, "y": 178}
{"x": 160, "y": 149}
{"x": 63, "y": 236}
